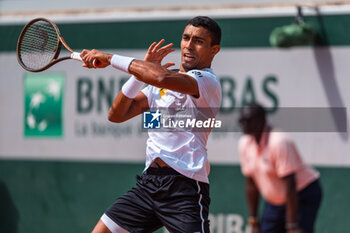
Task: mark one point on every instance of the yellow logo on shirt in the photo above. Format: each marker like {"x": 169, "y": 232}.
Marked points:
{"x": 162, "y": 92}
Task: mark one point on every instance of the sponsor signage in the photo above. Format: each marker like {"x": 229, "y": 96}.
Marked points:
{"x": 43, "y": 105}
{"x": 63, "y": 111}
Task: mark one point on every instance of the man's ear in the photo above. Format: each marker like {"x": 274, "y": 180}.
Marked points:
{"x": 215, "y": 49}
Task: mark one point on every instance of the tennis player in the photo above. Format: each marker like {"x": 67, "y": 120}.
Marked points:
{"x": 173, "y": 190}
{"x": 273, "y": 167}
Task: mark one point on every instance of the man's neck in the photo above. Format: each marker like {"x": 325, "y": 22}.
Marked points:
{"x": 258, "y": 135}
{"x": 183, "y": 70}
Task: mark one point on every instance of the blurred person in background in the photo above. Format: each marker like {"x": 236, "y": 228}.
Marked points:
{"x": 274, "y": 168}
{"x": 173, "y": 190}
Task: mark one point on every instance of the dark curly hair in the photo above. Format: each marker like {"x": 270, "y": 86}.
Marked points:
{"x": 210, "y": 25}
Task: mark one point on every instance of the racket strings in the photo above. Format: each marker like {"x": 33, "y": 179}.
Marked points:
{"x": 39, "y": 45}
{"x": 36, "y": 44}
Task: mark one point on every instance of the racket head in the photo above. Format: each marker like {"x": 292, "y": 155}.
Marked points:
{"x": 38, "y": 45}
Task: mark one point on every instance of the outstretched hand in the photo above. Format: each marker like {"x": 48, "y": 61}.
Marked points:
{"x": 156, "y": 54}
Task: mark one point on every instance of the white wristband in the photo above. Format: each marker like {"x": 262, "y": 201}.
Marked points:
{"x": 132, "y": 87}
{"x": 121, "y": 62}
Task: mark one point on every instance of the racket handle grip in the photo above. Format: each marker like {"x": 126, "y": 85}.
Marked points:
{"x": 76, "y": 56}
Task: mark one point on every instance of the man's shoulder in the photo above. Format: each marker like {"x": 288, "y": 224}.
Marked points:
{"x": 277, "y": 137}
{"x": 244, "y": 140}
{"x": 205, "y": 77}
{"x": 206, "y": 71}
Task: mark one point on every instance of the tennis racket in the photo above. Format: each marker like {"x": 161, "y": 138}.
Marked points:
{"x": 39, "y": 46}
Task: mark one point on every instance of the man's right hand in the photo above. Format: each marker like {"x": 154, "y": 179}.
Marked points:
{"x": 89, "y": 57}
{"x": 255, "y": 229}
{"x": 296, "y": 230}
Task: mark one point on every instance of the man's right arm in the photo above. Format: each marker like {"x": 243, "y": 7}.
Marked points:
{"x": 158, "y": 76}
{"x": 131, "y": 101}
{"x": 149, "y": 72}
{"x": 252, "y": 194}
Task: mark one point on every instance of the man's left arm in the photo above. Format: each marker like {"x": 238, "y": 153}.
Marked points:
{"x": 287, "y": 163}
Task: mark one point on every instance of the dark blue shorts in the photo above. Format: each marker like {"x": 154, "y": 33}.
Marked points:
{"x": 274, "y": 216}
{"x": 163, "y": 197}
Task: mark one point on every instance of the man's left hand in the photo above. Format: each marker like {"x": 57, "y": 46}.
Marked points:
{"x": 156, "y": 53}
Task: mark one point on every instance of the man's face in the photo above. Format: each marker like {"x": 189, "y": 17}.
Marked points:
{"x": 196, "y": 49}
{"x": 250, "y": 122}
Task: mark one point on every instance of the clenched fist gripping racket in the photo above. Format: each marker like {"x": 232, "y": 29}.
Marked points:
{"x": 39, "y": 46}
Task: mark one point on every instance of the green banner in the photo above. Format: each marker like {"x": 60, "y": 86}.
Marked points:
{"x": 43, "y": 95}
